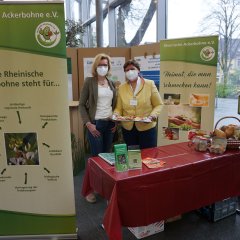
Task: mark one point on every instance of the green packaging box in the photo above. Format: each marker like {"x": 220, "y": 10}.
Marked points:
{"x": 134, "y": 157}
{"x": 121, "y": 157}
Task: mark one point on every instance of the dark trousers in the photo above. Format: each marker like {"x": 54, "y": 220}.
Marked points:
{"x": 103, "y": 143}
{"x": 145, "y": 139}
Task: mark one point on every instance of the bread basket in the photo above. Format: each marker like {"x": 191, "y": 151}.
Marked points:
{"x": 231, "y": 143}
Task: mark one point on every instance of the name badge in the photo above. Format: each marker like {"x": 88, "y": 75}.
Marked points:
{"x": 133, "y": 102}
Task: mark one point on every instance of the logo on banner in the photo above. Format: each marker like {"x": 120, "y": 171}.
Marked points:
{"x": 47, "y": 35}
{"x": 207, "y": 53}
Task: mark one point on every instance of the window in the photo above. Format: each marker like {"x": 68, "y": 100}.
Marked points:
{"x": 184, "y": 17}
{"x": 238, "y": 62}
{"x": 76, "y": 9}
{"x": 151, "y": 34}
{"x": 106, "y": 32}
{"x": 92, "y": 35}
{"x": 92, "y": 8}
{"x": 133, "y": 20}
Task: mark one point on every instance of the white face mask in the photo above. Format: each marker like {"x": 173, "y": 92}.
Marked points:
{"x": 102, "y": 70}
{"x": 132, "y": 75}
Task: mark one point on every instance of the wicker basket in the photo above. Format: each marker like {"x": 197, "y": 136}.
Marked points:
{"x": 231, "y": 143}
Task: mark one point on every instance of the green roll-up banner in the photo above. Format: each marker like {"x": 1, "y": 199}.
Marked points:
{"x": 188, "y": 70}
{"x": 36, "y": 180}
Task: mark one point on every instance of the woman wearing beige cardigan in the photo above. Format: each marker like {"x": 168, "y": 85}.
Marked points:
{"x": 97, "y": 101}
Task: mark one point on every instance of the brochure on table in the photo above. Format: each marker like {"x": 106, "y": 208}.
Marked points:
{"x": 108, "y": 157}
{"x": 36, "y": 181}
{"x": 134, "y": 157}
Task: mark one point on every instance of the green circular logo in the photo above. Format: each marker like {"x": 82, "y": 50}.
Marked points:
{"x": 47, "y": 35}
{"x": 207, "y": 53}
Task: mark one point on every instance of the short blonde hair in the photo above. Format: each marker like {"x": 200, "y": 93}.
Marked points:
{"x": 96, "y": 62}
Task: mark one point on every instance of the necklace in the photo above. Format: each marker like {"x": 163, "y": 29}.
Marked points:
{"x": 102, "y": 83}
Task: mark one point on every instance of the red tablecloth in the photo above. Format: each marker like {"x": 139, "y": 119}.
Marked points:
{"x": 188, "y": 180}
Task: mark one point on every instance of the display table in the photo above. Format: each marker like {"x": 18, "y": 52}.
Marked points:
{"x": 188, "y": 181}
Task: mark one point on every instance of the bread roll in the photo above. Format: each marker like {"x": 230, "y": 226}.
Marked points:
{"x": 229, "y": 131}
{"x": 219, "y": 133}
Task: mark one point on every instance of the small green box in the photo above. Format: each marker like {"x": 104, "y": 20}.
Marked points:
{"x": 134, "y": 157}
{"x": 121, "y": 157}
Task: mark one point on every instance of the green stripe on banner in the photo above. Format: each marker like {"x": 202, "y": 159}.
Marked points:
{"x": 33, "y": 27}
{"x": 201, "y": 50}
{"x": 13, "y": 223}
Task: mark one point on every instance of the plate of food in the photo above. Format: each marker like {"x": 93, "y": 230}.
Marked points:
{"x": 131, "y": 119}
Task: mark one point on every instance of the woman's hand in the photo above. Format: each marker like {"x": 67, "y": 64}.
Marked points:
{"x": 153, "y": 118}
{"x": 92, "y": 129}
{"x": 114, "y": 116}
{"x": 150, "y": 119}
